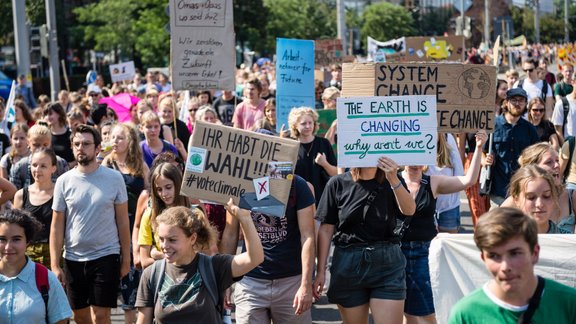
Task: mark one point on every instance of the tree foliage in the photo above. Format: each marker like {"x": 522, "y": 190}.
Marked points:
{"x": 249, "y": 24}
{"x": 299, "y": 19}
{"x": 384, "y": 21}
{"x": 35, "y": 15}
{"x": 129, "y": 28}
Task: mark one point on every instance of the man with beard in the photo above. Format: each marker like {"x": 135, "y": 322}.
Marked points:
{"x": 512, "y": 134}
{"x": 90, "y": 220}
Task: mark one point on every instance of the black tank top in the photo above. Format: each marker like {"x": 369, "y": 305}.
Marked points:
{"x": 423, "y": 225}
{"x": 42, "y": 213}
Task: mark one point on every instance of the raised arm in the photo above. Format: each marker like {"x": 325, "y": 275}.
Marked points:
{"x": 254, "y": 254}
{"x": 450, "y": 184}
{"x": 405, "y": 202}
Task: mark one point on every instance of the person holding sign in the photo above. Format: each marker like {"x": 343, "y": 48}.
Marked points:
{"x": 316, "y": 160}
{"x": 358, "y": 212}
{"x": 178, "y": 288}
{"x": 512, "y": 134}
{"x": 508, "y": 242}
{"x": 419, "y": 306}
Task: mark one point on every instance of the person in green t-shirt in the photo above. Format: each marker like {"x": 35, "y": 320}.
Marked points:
{"x": 508, "y": 241}
{"x": 564, "y": 87}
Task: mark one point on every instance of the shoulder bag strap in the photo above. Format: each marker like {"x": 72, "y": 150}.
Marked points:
{"x": 158, "y": 270}
{"x": 207, "y": 273}
{"x": 526, "y": 317}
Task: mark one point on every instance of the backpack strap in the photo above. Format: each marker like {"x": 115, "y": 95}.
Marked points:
{"x": 526, "y": 317}
{"x": 566, "y": 109}
{"x": 158, "y": 271}
{"x": 571, "y": 143}
{"x": 209, "y": 278}
{"x": 41, "y": 274}
{"x": 544, "y": 90}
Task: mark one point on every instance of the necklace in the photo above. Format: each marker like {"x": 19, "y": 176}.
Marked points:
{"x": 310, "y": 149}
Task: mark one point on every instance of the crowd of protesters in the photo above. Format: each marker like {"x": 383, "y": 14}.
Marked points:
{"x": 98, "y": 202}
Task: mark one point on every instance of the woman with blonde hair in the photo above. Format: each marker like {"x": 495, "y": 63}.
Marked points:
{"x": 126, "y": 158}
{"x": 182, "y": 233}
{"x": 448, "y": 163}
{"x": 316, "y": 160}
{"x": 544, "y": 156}
{"x": 534, "y": 191}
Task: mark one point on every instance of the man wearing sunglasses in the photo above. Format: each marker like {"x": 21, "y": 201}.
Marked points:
{"x": 535, "y": 87}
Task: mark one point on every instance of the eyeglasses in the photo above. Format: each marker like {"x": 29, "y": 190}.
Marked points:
{"x": 516, "y": 101}
{"x": 538, "y": 110}
{"x": 528, "y": 70}
{"x": 84, "y": 144}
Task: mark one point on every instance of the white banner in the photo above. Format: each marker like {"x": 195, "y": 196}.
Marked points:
{"x": 377, "y": 51}
{"x": 456, "y": 268}
{"x": 202, "y": 43}
{"x": 401, "y": 127}
{"x": 122, "y": 71}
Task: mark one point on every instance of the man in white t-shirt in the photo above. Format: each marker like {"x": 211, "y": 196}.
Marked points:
{"x": 569, "y": 129}
{"x": 534, "y": 87}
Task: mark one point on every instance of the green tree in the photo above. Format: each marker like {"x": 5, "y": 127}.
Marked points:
{"x": 299, "y": 19}
{"x": 249, "y": 24}
{"x": 133, "y": 29}
{"x": 35, "y": 15}
{"x": 384, "y": 21}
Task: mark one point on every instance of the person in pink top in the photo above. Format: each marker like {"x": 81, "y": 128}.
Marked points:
{"x": 252, "y": 108}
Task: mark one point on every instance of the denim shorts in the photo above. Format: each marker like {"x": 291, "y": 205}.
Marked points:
{"x": 449, "y": 220}
{"x": 361, "y": 272}
{"x": 419, "y": 301}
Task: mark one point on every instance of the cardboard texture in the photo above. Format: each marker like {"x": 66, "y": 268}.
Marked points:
{"x": 202, "y": 45}
{"x": 465, "y": 93}
{"x": 224, "y": 162}
{"x": 402, "y": 128}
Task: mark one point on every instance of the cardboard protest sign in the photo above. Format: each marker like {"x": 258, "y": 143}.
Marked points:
{"x": 403, "y": 128}
{"x": 123, "y": 71}
{"x": 294, "y": 77}
{"x": 327, "y": 51}
{"x": 464, "y": 93}
{"x": 253, "y": 169}
{"x": 202, "y": 45}
{"x": 442, "y": 48}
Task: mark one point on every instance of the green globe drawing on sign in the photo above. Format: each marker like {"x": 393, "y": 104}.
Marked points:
{"x": 196, "y": 159}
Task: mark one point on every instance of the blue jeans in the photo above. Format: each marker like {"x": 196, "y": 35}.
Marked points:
{"x": 419, "y": 301}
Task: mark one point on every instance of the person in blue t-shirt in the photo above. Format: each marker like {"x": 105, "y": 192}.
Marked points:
{"x": 20, "y": 298}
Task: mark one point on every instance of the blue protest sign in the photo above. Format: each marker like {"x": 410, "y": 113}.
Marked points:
{"x": 294, "y": 77}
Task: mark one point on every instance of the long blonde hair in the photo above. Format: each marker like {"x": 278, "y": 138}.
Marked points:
{"x": 134, "y": 157}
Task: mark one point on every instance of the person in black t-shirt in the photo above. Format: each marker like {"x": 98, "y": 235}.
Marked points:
{"x": 367, "y": 269}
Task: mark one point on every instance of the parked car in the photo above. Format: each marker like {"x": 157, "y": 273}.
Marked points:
{"x": 5, "y": 84}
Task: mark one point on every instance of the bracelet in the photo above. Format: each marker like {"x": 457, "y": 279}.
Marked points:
{"x": 396, "y": 186}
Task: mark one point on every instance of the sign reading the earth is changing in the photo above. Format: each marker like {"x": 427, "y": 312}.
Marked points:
{"x": 464, "y": 93}
{"x": 253, "y": 169}
{"x": 403, "y": 128}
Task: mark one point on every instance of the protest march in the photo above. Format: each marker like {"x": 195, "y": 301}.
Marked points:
{"x": 425, "y": 179}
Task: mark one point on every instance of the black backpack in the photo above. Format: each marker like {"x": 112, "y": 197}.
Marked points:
{"x": 543, "y": 92}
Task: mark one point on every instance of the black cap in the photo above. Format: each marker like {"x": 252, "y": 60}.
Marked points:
{"x": 516, "y": 92}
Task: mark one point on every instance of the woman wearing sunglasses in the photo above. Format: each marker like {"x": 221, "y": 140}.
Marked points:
{"x": 544, "y": 127}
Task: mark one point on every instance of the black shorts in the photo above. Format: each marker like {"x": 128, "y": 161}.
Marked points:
{"x": 363, "y": 272}
{"x": 93, "y": 283}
